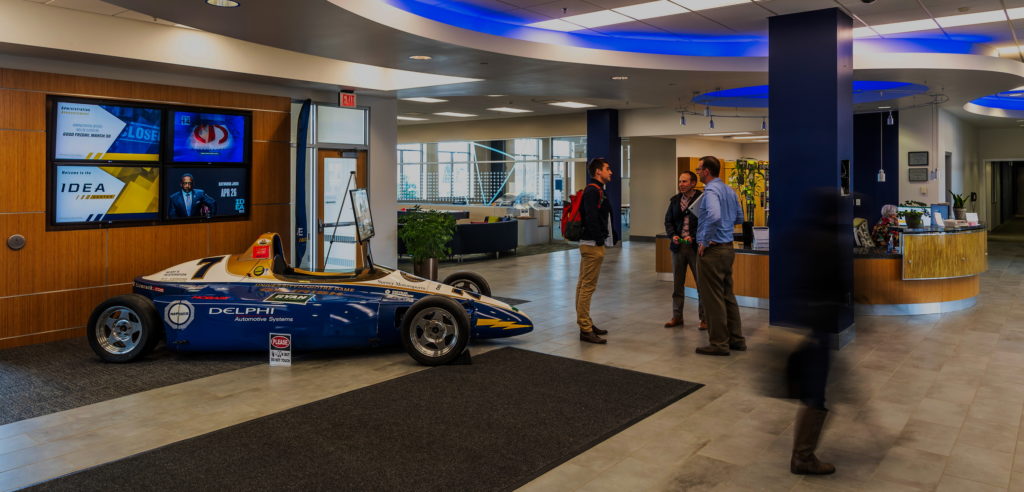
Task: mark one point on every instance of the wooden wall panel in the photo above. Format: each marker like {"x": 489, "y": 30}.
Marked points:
{"x": 47, "y": 321}
{"x": 78, "y": 269}
{"x": 23, "y": 166}
{"x": 928, "y": 256}
{"x": 19, "y": 110}
{"x": 138, "y": 251}
{"x": 879, "y": 281}
{"x": 271, "y": 126}
{"x": 271, "y": 171}
{"x": 234, "y": 237}
{"x": 50, "y": 261}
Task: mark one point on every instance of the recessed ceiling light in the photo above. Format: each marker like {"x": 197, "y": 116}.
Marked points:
{"x": 621, "y": 15}
{"x": 650, "y": 10}
{"x": 885, "y": 107}
{"x": 571, "y": 104}
{"x": 456, "y": 115}
{"x": 424, "y": 99}
{"x": 987, "y": 17}
{"x": 222, "y": 3}
{"x": 495, "y": 95}
{"x": 752, "y": 137}
{"x": 411, "y": 118}
{"x": 620, "y": 77}
{"x": 510, "y": 110}
{"x": 723, "y": 134}
{"x": 758, "y": 141}
{"x": 421, "y": 57}
{"x": 597, "y": 19}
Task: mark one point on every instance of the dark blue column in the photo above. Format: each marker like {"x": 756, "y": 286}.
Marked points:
{"x": 810, "y": 76}
{"x": 603, "y": 141}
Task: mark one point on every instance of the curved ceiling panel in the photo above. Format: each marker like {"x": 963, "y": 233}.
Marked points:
{"x": 864, "y": 91}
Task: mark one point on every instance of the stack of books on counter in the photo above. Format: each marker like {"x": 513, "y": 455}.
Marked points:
{"x": 760, "y": 238}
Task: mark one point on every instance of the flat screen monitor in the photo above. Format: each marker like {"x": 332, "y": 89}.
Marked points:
{"x": 94, "y": 194}
{"x": 361, "y": 209}
{"x": 106, "y": 132}
{"x": 206, "y": 192}
{"x": 208, "y": 137}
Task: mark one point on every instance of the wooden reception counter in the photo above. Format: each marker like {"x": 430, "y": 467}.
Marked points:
{"x": 937, "y": 273}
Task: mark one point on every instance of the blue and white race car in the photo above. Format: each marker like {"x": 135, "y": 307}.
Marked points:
{"x": 234, "y": 302}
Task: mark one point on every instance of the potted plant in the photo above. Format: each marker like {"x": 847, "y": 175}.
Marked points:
{"x": 913, "y": 217}
{"x": 426, "y": 235}
{"x": 959, "y": 211}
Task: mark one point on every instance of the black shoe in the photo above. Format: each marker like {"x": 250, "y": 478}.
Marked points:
{"x": 598, "y": 330}
{"x": 709, "y": 350}
{"x": 591, "y": 337}
{"x": 740, "y": 346}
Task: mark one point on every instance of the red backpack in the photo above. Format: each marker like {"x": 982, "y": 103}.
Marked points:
{"x": 572, "y": 215}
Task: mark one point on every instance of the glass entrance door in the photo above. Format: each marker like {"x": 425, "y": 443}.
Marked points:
{"x": 338, "y": 172}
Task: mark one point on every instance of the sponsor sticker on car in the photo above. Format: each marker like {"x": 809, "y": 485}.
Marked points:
{"x": 261, "y": 252}
{"x": 179, "y": 314}
{"x": 289, "y": 298}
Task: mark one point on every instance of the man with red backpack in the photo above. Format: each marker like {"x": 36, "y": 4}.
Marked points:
{"x": 598, "y": 233}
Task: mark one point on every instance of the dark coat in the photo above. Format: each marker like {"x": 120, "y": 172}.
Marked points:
{"x": 200, "y": 201}
{"x": 596, "y": 211}
{"x": 674, "y": 220}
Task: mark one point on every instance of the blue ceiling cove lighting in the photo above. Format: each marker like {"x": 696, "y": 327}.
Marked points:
{"x": 864, "y": 91}
{"x": 1013, "y": 100}
{"x": 617, "y": 38}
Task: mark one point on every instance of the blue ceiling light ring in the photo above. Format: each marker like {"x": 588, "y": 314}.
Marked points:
{"x": 864, "y": 91}
{"x": 1009, "y": 100}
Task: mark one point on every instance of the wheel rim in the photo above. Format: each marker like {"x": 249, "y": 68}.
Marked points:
{"x": 468, "y": 285}
{"x": 434, "y": 332}
{"x": 118, "y": 330}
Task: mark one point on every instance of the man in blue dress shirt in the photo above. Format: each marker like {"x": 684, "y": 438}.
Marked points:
{"x": 718, "y": 211}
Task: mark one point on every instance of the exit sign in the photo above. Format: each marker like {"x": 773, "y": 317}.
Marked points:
{"x": 348, "y": 100}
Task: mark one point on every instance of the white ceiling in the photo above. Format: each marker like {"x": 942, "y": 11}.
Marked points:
{"x": 319, "y": 28}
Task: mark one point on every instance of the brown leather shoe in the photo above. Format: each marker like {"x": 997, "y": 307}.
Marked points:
{"x": 598, "y": 330}
{"x": 741, "y": 346}
{"x": 709, "y": 350}
{"x": 591, "y": 337}
{"x": 703, "y": 325}
{"x": 674, "y": 322}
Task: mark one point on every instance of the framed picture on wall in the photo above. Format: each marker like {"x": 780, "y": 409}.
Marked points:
{"x": 917, "y": 158}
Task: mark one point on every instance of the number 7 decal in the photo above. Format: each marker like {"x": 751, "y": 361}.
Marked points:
{"x": 205, "y": 265}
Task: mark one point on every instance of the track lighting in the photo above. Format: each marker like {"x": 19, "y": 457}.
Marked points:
{"x": 711, "y": 123}
{"x": 881, "y": 175}
{"x": 682, "y": 119}
{"x": 764, "y": 123}
{"x": 707, "y": 111}
{"x": 889, "y": 121}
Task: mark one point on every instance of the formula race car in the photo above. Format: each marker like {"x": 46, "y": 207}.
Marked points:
{"x": 234, "y": 302}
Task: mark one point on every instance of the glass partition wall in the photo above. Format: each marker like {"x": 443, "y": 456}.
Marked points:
{"x": 521, "y": 176}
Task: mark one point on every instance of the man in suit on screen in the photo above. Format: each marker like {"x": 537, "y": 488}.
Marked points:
{"x": 190, "y": 202}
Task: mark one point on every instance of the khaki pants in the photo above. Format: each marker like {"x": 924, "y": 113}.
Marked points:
{"x": 682, "y": 258}
{"x": 715, "y": 287}
{"x": 590, "y": 269}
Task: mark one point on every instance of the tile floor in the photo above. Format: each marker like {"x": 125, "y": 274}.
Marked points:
{"x": 920, "y": 403}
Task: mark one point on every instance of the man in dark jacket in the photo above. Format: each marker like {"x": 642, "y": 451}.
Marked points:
{"x": 681, "y": 228}
{"x": 597, "y": 234}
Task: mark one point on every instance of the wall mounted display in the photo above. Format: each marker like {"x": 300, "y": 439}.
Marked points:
{"x": 209, "y": 137}
{"x": 917, "y": 175}
{"x": 84, "y": 194}
{"x": 917, "y": 158}
{"x": 206, "y": 192}
{"x": 106, "y": 132}
{"x": 150, "y": 149}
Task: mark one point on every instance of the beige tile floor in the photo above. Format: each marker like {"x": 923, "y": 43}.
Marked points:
{"x": 925, "y": 403}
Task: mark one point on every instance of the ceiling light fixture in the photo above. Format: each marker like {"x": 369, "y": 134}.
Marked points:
{"x": 222, "y": 3}
{"x": 411, "y": 118}
{"x": 723, "y": 134}
{"x": 889, "y": 121}
{"x": 510, "y": 110}
{"x": 650, "y": 10}
{"x": 711, "y": 123}
{"x": 495, "y": 95}
{"x": 622, "y": 15}
{"x": 456, "y": 115}
{"x": 421, "y": 57}
{"x": 571, "y": 104}
{"x": 424, "y": 99}
{"x": 682, "y": 119}
{"x": 707, "y": 111}
{"x": 764, "y": 124}
{"x": 620, "y": 77}
{"x": 948, "y": 21}
{"x": 752, "y": 137}
{"x": 885, "y": 107}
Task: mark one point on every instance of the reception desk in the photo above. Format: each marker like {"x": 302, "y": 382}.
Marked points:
{"x": 937, "y": 273}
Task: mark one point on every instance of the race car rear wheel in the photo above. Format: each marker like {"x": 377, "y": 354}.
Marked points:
{"x": 124, "y": 328}
{"x": 469, "y": 281}
{"x": 435, "y": 330}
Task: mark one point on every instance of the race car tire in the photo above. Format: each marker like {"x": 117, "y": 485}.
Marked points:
{"x": 435, "y": 330}
{"x": 469, "y": 281}
{"x": 124, "y": 328}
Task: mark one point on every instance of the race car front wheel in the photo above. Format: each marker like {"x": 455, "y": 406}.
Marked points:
{"x": 435, "y": 330}
{"x": 469, "y": 281}
{"x": 124, "y": 328}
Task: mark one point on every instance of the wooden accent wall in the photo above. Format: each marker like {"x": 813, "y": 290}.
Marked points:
{"x": 53, "y": 283}
{"x": 928, "y": 256}
{"x": 880, "y": 281}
